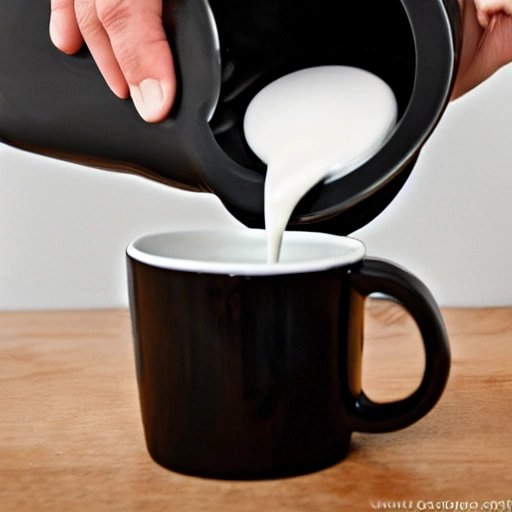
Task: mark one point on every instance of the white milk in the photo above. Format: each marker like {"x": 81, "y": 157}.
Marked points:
{"x": 315, "y": 124}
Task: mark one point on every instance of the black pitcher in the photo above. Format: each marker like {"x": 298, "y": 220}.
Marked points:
{"x": 225, "y": 52}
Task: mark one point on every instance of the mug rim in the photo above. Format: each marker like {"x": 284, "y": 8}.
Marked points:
{"x": 341, "y": 251}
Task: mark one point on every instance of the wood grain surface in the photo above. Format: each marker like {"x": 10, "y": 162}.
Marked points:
{"x": 71, "y": 437}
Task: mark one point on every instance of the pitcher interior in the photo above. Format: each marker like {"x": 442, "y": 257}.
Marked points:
{"x": 261, "y": 41}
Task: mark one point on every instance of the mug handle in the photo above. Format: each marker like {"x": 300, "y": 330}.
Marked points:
{"x": 374, "y": 275}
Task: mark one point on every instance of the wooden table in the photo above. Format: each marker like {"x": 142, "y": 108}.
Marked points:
{"x": 71, "y": 436}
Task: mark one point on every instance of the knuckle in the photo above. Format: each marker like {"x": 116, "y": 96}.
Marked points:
{"x": 61, "y": 5}
{"x": 135, "y": 60}
{"x": 114, "y": 15}
{"x": 131, "y": 64}
{"x": 57, "y": 8}
{"x": 84, "y": 12}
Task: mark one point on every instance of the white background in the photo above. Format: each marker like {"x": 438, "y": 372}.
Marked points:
{"x": 64, "y": 228}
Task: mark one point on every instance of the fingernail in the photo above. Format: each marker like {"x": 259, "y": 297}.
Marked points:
{"x": 148, "y": 98}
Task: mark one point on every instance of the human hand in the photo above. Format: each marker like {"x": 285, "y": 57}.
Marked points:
{"x": 127, "y": 40}
{"x": 487, "y": 42}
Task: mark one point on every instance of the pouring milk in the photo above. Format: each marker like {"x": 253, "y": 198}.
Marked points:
{"x": 313, "y": 125}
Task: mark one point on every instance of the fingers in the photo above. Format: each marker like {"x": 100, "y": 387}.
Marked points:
{"x": 99, "y": 45}
{"x": 64, "y": 31}
{"x": 486, "y": 9}
{"x": 140, "y": 45}
{"x": 127, "y": 40}
{"x": 472, "y": 34}
{"x": 484, "y": 51}
{"x": 494, "y": 51}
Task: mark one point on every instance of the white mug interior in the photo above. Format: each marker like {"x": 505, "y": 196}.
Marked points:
{"x": 244, "y": 251}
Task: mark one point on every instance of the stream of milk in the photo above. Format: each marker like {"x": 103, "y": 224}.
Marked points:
{"x": 312, "y": 125}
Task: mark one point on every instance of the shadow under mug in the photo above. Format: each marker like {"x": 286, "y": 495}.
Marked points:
{"x": 248, "y": 370}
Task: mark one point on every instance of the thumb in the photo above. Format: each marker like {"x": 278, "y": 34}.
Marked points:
{"x": 141, "y": 48}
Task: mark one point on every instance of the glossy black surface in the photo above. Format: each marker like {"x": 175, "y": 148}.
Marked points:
{"x": 58, "y": 104}
{"x": 260, "y": 377}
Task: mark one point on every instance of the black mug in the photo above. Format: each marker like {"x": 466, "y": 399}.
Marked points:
{"x": 249, "y": 370}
